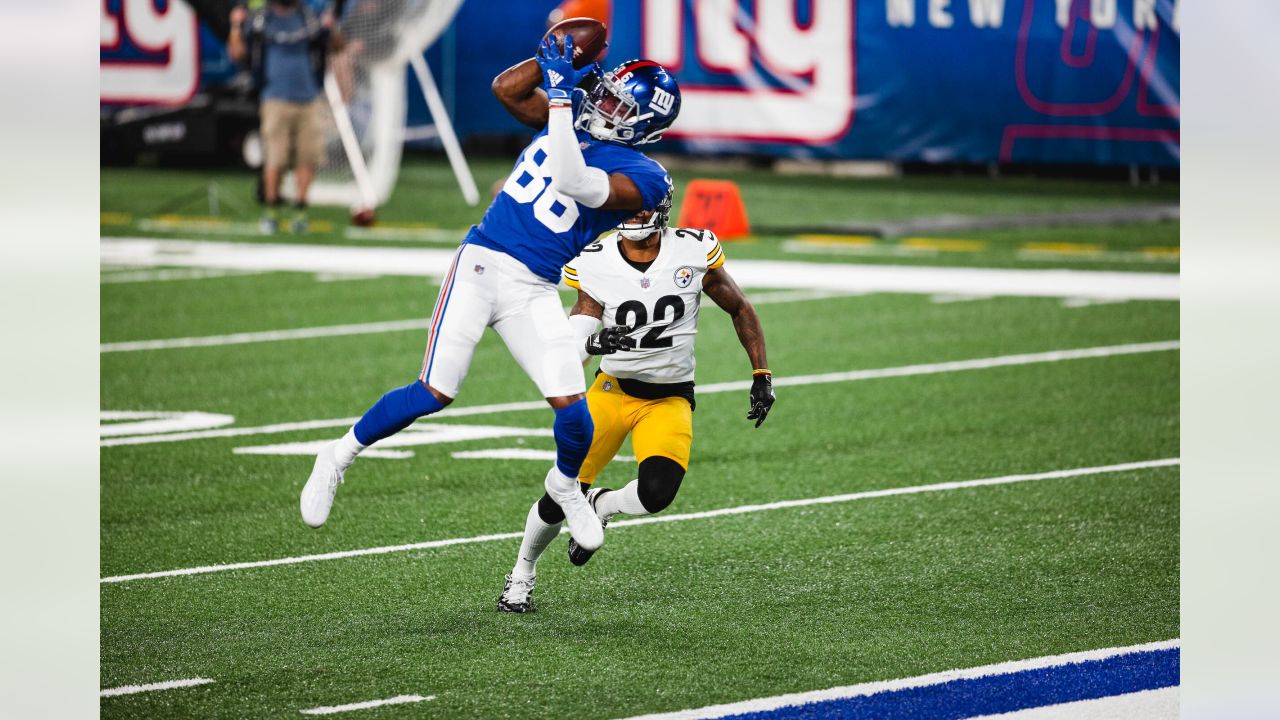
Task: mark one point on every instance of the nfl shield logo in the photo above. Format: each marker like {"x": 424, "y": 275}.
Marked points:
{"x": 644, "y": 283}
{"x": 479, "y": 269}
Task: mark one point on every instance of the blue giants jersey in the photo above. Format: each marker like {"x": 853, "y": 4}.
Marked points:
{"x": 544, "y": 229}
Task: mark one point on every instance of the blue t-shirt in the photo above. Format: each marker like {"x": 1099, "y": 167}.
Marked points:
{"x": 544, "y": 229}
{"x": 286, "y": 58}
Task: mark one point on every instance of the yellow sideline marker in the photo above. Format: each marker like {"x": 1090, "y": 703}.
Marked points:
{"x": 815, "y": 239}
{"x": 114, "y": 218}
{"x": 197, "y": 223}
{"x": 945, "y": 244}
{"x": 1063, "y": 248}
{"x": 1163, "y": 253}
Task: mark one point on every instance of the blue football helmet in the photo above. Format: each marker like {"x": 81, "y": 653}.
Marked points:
{"x": 632, "y": 104}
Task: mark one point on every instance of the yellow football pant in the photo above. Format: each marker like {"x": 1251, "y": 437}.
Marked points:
{"x": 657, "y": 427}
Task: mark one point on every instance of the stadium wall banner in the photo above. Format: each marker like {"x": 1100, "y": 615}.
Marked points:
{"x": 978, "y": 81}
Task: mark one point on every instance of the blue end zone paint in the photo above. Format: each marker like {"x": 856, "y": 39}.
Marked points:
{"x": 998, "y": 693}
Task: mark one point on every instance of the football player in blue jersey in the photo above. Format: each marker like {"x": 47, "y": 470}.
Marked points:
{"x": 579, "y": 177}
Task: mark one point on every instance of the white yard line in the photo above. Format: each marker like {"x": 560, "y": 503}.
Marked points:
{"x": 161, "y": 275}
{"x": 871, "y": 688}
{"x": 267, "y": 336}
{"x": 851, "y": 376}
{"x": 397, "y": 700}
{"x": 149, "y": 687}
{"x": 379, "y": 327}
{"x": 143, "y": 252}
{"x": 678, "y": 517}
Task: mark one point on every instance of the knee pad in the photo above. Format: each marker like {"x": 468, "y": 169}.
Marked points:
{"x": 549, "y": 511}
{"x": 659, "y": 482}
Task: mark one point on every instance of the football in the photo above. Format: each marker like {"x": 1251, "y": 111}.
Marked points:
{"x": 590, "y": 39}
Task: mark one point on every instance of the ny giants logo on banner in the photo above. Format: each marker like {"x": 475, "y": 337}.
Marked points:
{"x": 149, "y": 51}
{"x": 793, "y": 82}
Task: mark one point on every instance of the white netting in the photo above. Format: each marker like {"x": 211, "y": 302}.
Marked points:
{"x": 365, "y": 88}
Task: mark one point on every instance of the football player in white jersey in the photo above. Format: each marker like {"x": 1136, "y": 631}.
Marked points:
{"x": 645, "y": 282}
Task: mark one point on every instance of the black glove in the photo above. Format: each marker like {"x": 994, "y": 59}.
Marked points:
{"x": 761, "y": 397}
{"x": 610, "y": 340}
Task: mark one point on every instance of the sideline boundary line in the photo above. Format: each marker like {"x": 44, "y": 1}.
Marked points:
{"x": 739, "y": 510}
{"x": 821, "y": 378}
{"x": 879, "y": 686}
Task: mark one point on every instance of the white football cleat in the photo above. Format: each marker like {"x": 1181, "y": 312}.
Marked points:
{"x": 317, "y": 494}
{"x": 584, "y": 526}
{"x": 577, "y": 554}
{"x": 517, "y": 595}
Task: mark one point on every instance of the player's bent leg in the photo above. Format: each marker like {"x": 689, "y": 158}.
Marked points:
{"x": 573, "y": 430}
{"x": 611, "y": 413}
{"x": 662, "y": 440}
{"x": 463, "y": 310}
{"x": 393, "y": 412}
{"x": 535, "y": 329}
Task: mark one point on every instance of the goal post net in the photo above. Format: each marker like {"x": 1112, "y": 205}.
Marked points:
{"x": 365, "y": 86}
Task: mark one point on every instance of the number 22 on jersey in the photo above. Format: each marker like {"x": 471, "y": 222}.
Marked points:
{"x": 530, "y": 182}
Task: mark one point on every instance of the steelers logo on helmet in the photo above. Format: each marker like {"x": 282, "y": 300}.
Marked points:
{"x": 683, "y": 276}
{"x": 632, "y": 104}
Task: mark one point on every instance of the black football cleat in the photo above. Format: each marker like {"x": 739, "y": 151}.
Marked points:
{"x": 579, "y": 555}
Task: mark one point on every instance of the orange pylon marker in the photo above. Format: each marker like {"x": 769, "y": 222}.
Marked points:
{"x": 715, "y": 205}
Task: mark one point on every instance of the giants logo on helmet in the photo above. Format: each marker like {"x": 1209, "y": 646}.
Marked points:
{"x": 662, "y": 101}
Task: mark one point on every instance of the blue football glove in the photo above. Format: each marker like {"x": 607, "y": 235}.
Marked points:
{"x": 559, "y": 76}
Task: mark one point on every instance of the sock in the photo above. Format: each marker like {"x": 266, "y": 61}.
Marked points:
{"x": 626, "y": 500}
{"x": 537, "y": 536}
{"x": 347, "y": 449}
{"x": 573, "y": 430}
{"x": 394, "y": 412}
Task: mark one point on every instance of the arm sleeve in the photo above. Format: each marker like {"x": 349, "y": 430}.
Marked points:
{"x": 570, "y": 275}
{"x": 570, "y": 174}
{"x": 583, "y": 326}
{"x": 715, "y": 253}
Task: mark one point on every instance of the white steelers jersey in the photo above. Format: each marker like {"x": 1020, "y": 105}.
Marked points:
{"x": 660, "y": 304}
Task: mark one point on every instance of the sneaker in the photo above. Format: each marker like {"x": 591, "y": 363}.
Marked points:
{"x": 579, "y": 555}
{"x": 584, "y": 526}
{"x": 317, "y": 494}
{"x": 299, "y": 225}
{"x": 517, "y": 595}
{"x": 268, "y": 225}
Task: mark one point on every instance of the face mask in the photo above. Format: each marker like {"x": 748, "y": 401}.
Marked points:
{"x": 637, "y": 235}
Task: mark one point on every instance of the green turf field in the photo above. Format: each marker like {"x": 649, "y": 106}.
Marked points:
{"x": 681, "y": 614}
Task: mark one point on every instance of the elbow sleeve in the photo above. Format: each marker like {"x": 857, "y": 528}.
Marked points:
{"x": 583, "y": 326}
{"x": 570, "y": 174}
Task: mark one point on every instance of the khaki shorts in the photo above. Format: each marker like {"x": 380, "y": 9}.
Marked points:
{"x": 292, "y": 129}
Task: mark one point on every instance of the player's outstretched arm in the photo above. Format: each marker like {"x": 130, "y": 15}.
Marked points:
{"x": 720, "y": 286}
{"x": 570, "y": 173}
{"x": 519, "y": 90}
